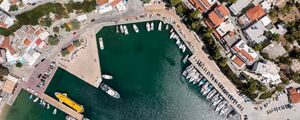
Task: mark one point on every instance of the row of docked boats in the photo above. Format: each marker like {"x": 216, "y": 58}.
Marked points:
{"x": 43, "y": 103}
{"x": 149, "y": 27}
{"x": 175, "y": 36}
{"x": 206, "y": 89}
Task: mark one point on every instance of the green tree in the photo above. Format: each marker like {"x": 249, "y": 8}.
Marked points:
{"x": 53, "y": 40}
{"x": 56, "y": 29}
{"x": 64, "y": 52}
{"x": 13, "y": 8}
{"x": 180, "y": 9}
{"x": 223, "y": 62}
{"x": 174, "y": 3}
{"x": 76, "y": 43}
{"x": 195, "y": 14}
{"x": 3, "y": 71}
{"x": 196, "y": 25}
{"x": 276, "y": 37}
{"x": 19, "y": 65}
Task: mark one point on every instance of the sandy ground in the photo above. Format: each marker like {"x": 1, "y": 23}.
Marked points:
{"x": 4, "y": 111}
{"x": 83, "y": 59}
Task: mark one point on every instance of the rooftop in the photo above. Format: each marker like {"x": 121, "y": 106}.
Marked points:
{"x": 269, "y": 70}
{"x": 218, "y": 15}
{"x": 225, "y": 27}
{"x": 202, "y": 5}
{"x": 255, "y": 13}
{"x": 255, "y": 32}
{"x": 274, "y": 50}
{"x": 237, "y": 7}
{"x": 245, "y": 51}
{"x": 294, "y": 95}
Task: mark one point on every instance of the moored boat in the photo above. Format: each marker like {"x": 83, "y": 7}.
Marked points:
{"x": 108, "y": 77}
{"x": 36, "y": 99}
{"x": 136, "y": 29}
{"x": 184, "y": 73}
{"x": 172, "y": 35}
{"x": 54, "y": 111}
{"x": 62, "y": 97}
{"x": 220, "y": 105}
{"x": 224, "y": 109}
{"x": 167, "y": 27}
{"x": 148, "y": 27}
{"x": 126, "y": 30}
{"x": 159, "y": 26}
{"x": 185, "y": 59}
{"x": 152, "y": 26}
{"x": 207, "y": 90}
{"x": 117, "y": 29}
{"x": 101, "y": 43}
{"x": 194, "y": 77}
{"x": 204, "y": 87}
{"x": 215, "y": 98}
{"x": 197, "y": 80}
{"x": 220, "y": 98}
{"x": 30, "y": 97}
{"x": 202, "y": 81}
{"x": 211, "y": 93}
{"x": 48, "y": 106}
{"x": 109, "y": 90}
{"x": 121, "y": 28}
{"x": 68, "y": 117}
{"x": 191, "y": 73}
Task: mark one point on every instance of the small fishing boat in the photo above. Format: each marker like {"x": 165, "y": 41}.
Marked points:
{"x": 152, "y": 26}
{"x": 221, "y": 105}
{"x": 126, "y": 30}
{"x": 172, "y": 35}
{"x": 117, "y": 29}
{"x": 159, "y": 26}
{"x": 136, "y": 29}
{"x": 224, "y": 109}
{"x": 48, "y": 106}
{"x": 204, "y": 87}
{"x": 207, "y": 90}
{"x": 184, "y": 73}
{"x": 121, "y": 28}
{"x": 167, "y": 27}
{"x": 211, "y": 94}
{"x": 220, "y": 98}
{"x": 54, "y": 111}
{"x": 108, "y": 77}
{"x": 185, "y": 59}
{"x": 202, "y": 82}
{"x": 148, "y": 27}
{"x": 36, "y": 99}
{"x": 30, "y": 97}
{"x": 101, "y": 43}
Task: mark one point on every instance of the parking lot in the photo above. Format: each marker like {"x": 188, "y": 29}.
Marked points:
{"x": 42, "y": 76}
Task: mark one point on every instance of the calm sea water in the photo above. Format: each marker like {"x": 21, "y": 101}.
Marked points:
{"x": 147, "y": 68}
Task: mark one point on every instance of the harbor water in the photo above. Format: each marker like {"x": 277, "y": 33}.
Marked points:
{"x": 146, "y": 69}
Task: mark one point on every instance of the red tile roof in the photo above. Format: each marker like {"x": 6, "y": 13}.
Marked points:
{"x": 27, "y": 42}
{"x": 244, "y": 53}
{"x": 238, "y": 61}
{"x": 6, "y": 45}
{"x": 102, "y": 2}
{"x": 294, "y": 96}
{"x": 201, "y": 5}
{"x": 255, "y": 13}
{"x": 115, "y": 2}
{"x": 70, "y": 48}
{"x": 218, "y": 15}
{"x": 3, "y": 25}
{"x": 38, "y": 41}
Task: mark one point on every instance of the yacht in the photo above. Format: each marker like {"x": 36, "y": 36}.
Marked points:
{"x": 224, "y": 109}
{"x": 108, "y": 77}
{"x": 54, "y": 111}
{"x": 221, "y": 105}
{"x": 101, "y": 44}
{"x": 207, "y": 90}
{"x": 211, "y": 94}
{"x": 204, "y": 87}
{"x": 184, "y": 73}
{"x": 178, "y": 42}
{"x": 185, "y": 59}
{"x": 136, "y": 29}
{"x": 121, "y": 28}
{"x": 220, "y": 98}
{"x": 152, "y": 26}
{"x": 125, "y": 30}
{"x": 167, "y": 27}
{"x": 202, "y": 81}
{"x": 171, "y": 30}
{"x": 197, "y": 80}
{"x": 159, "y": 26}
{"x": 117, "y": 29}
{"x": 183, "y": 48}
{"x": 109, "y": 90}
{"x": 36, "y": 99}
{"x": 148, "y": 27}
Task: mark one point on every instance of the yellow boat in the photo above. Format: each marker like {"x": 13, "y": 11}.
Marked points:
{"x": 62, "y": 97}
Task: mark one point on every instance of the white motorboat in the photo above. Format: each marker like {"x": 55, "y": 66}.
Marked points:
{"x": 184, "y": 73}
{"x": 126, "y": 30}
{"x": 207, "y": 90}
{"x": 68, "y": 117}
{"x": 204, "y": 87}
{"x": 36, "y": 99}
{"x": 202, "y": 82}
{"x": 221, "y": 105}
{"x": 172, "y": 35}
{"x": 171, "y": 30}
{"x": 48, "y": 106}
{"x": 159, "y": 26}
{"x": 185, "y": 59}
{"x": 178, "y": 42}
{"x": 224, "y": 109}
{"x": 152, "y": 26}
{"x": 54, "y": 111}
{"x": 148, "y": 27}
{"x": 220, "y": 98}
{"x": 167, "y": 27}
{"x": 121, "y": 28}
{"x": 215, "y": 98}
{"x": 183, "y": 49}
{"x": 194, "y": 77}
{"x": 136, "y": 29}
{"x": 109, "y": 90}
{"x": 108, "y": 77}
{"x": 117, "y": 29}
{"x": 30, "y": 97}
{"x": 191, "y": 73}
{"x": 101, "y": 44}
{"x": 211, "y": 94}
{"x": 197, "y": 80}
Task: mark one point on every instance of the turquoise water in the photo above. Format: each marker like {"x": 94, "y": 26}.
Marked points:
{"x": 147, "y": 68}
{"x": 25, "y": 109}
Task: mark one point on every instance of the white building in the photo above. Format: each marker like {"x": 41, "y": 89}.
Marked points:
{"x": 255, "y": 32}
{"x": 6, "y": 21}
{"x": 269, "y": 71}
{"x": 105, "y": 6}
{"x": 225, "y": 27}
{"x": 81, "y": 18}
